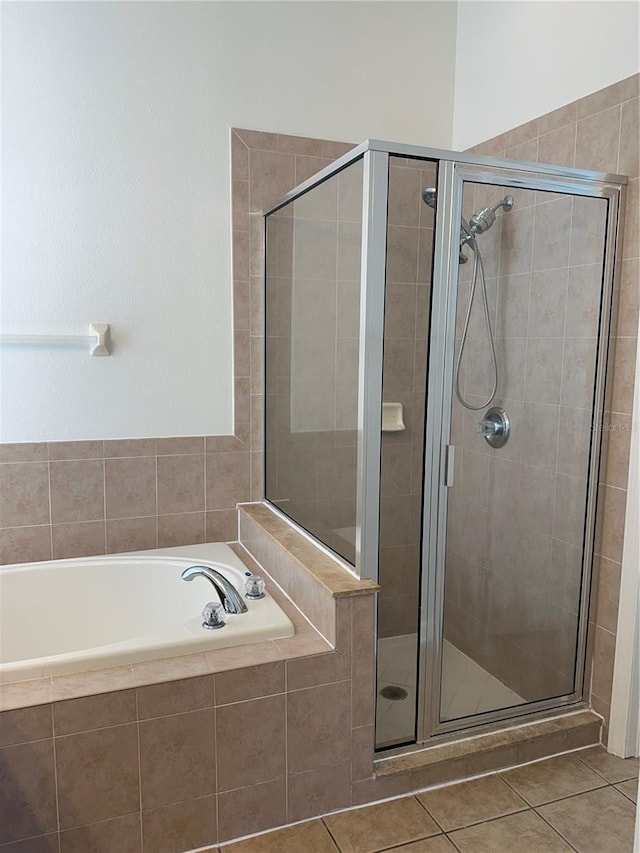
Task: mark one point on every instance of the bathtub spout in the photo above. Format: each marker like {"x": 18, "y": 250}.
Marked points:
{"x": 229, "y": 596}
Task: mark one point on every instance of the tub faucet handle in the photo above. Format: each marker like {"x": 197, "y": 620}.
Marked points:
{"x": 213, "y": 614}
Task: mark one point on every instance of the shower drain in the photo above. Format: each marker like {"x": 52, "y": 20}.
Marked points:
{"x": 392, "y": 691}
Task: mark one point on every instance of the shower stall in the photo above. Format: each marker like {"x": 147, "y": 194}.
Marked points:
{"x": 437, "y": 338}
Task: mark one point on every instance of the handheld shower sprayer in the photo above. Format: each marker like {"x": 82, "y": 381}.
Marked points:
{"x": 480, "y": 222}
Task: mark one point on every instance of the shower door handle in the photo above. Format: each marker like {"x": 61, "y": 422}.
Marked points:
{"x": 449, "y": 468}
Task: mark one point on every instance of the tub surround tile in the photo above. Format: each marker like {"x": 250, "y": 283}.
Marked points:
{"x": 251, "y": 742}
{"x": 109, "y": 757}
{"x": 120, "y": 833}
{"x": 77, "y": 490}
{"x": 130, "y": 487}
{"x": 183, "y": 529}
{"x": 314, "y": 740}
{"x": 27, "y": 782}
{"x": 25, "y": 694}
{"x": 121, "y": 448}
{"x": 187, "y": 825}
{"x": 221, "y": 525}
{"x": 132, "y": 534}
{"x": 175, "y": 697}
{"x": 24, "y": 494}
{"x": 69, "y": 450}
{"x": 90, "y": 683}
{"x": 25, "y": 724}
{"x": 23, "y": 452}
{"x": 94, "y": 712}
{"x": 253, "y": 809}
{"x": 181, "y": 483}
{"x": 319, "y": 791}
{"x": 177, "y": 758}
{"x": 250, "y": 683}
{"x": 25, "y": 544}
{"x": 78, "y": 539}
{"x": 42, "y": 844}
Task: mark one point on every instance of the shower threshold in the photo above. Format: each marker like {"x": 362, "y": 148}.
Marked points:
{"x": 467, "y": 688}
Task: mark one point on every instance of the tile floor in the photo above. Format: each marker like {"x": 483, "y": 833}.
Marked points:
{"x": 467, "y": 688}
{"x": 582, "y": 802}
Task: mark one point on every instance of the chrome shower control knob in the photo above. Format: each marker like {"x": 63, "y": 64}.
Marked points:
{"x": 495, "y": 427}
{"x": 254, "y": 587}
{"x": 213, "y": 614}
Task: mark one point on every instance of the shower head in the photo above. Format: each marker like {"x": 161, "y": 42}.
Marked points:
{"x": 483, "y": 219}
{"x": 429, "y": 197}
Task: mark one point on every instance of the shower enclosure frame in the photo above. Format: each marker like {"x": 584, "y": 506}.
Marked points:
{"x": 454, "y": 169}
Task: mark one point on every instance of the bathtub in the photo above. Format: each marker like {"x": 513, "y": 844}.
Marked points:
{"x": 67, "y": 616}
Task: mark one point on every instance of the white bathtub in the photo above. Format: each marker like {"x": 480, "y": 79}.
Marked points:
{"x": 65, "y": 616}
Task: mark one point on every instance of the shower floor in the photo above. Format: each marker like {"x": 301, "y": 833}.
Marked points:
{"x": 467, "y": 688}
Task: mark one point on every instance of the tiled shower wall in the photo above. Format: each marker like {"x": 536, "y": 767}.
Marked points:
{"x": 599, "y": 131}
{"x": 516, "y": 517}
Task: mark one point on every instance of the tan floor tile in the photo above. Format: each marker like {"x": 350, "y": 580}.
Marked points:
{"x": 594, "y": 822}
{"x": 374, "y": 828}
{"x": 613, "y": 769}
{"x": 471, "y": 802}
{"x": 519, "y": 833}
{"x": 629, "y": 789}
{"x": 553, "y": 779}
{"x": 437, "y": 844}
{"x": 311, "y": 836}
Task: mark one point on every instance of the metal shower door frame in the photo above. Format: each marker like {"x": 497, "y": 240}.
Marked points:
{"x": 451, "y": 177}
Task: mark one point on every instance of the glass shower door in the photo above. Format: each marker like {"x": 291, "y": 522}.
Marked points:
{"x": 524, "y": 437}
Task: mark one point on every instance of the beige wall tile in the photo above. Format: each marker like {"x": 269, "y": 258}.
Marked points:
{"x": 271, "y": 174}
{"x": 597, "y": 141}
{"x": 126, "y": 447}
{"x": 109, "y": 757}
{"x": 131, "y": 534}
{"x": 27, "y": 780}
{"x": 629, "y": 156}
{"x": 624, "y": 368}
{"x": 25, "y": 544}
{"x": 23, "y": 452}
{"x": 239, "y": 157}
{"x": 603, "y": 99}
{"x": 77, "y": 490}
{"x": 631, "y": 239}
{"x": 25, "y": 724}
{"x": 315, "y": 741}
{"x": 24, "y": 494}
{"x": 253, "y": 809}
{"x": 182, "y": 826}
{"x": 558, "y": 146}
{"x": 175, "y": 697}
{"x": 177, "y": 758}
{"x": 221, "y": 526}
{"x": 182, "y": 529}
{"x": 94, "y": 712}
{"x": 66, "y": 450}
{"x": 249, "y": 683}
{"x": 120, "y": 833}
{"x": 130, "y": 487}
{"x": 318, "y": 792}
{"x": 251, "y": 742}
{"x": 227, "y": 480}
{"x": 78, "y": 539}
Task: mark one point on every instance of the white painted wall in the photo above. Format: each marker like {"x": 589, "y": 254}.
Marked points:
{"x": 518, "y": 59}
{"x": 115, "y": 182}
